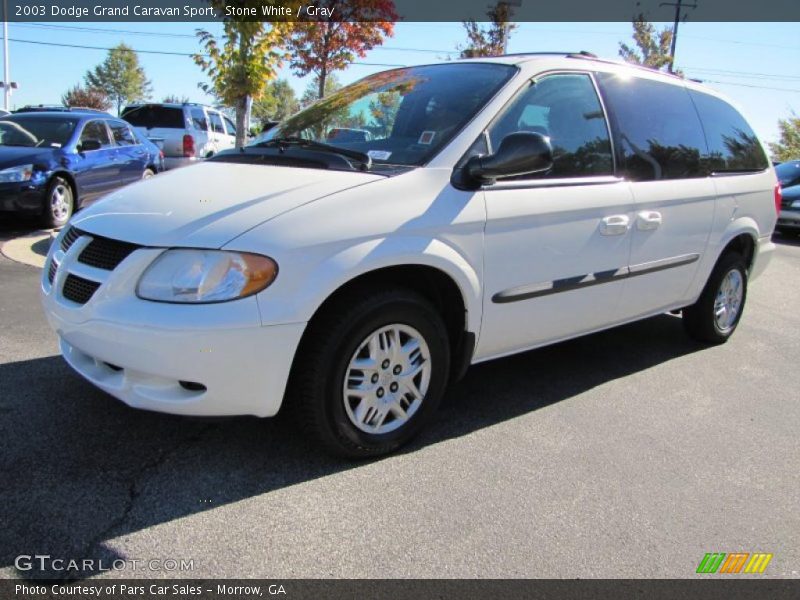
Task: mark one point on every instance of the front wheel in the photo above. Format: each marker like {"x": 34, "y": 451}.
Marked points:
{"x": 716, "y": 314}
{"x": 59, "y": 202}
{"x": 370, "y": 372}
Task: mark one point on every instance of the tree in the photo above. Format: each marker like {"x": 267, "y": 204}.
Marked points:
{"x": 788, "y": 146}
{"x": 278, "y": 102}
{"x": 652, "y": 46}
{"x": 86, "y": 98}
{"x": 491, "y": 40}
{"x": 322, "y": 47}
{"x": 174, "y": 99}
{"x": 311, "y": 93}
{"x": 120, "y": 77}
{"x": 244, "y": 60}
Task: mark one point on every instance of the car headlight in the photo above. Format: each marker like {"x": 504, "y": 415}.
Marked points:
{"x": 16, "y": 174}
{"x": 200, "y": 276}
{"x": 796, "y": 204}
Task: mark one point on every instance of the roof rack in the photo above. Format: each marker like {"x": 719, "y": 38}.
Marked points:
{"x": 583, "y": 53}
{"x": 589, "y": 56}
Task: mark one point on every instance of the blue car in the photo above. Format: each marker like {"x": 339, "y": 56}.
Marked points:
{"x": 52, "y": 163}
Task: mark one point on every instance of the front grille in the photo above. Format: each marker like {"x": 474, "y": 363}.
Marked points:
{"x": 104, "y": 253}
{"x": 79, "y": 289}
{"x": 73, "y": 233}
{"x": 51, "y": 272}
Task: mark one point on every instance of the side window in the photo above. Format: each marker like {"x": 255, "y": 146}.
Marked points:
{"x": 566, "y": 108}
{"x": 216, "y": 122}
{"x": 230, "y": 126}
{"x": 122, "y": 134}
{"x": 198, "y": 116}
{"x": 96, "y": 130}
{"x": 659, "y": 132}
{"x": 732, "y": 145}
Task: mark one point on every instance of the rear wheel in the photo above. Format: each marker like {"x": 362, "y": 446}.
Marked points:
{"x": 370, "y": 372}
{"x": 716, "y": 314}
{"x": 59, "y": 203}
{"x": 148, "y": 173}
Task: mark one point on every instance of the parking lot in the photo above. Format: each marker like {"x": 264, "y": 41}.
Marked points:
{"x": 629, "y": 453}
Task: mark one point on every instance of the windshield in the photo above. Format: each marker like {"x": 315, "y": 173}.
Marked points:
{"x": 400, "y": 117}
{"x": 36, "y": 132}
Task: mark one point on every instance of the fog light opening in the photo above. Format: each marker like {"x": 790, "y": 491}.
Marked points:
{"x": 193, "y": 386}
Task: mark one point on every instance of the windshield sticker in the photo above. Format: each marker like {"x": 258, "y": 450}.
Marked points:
{"x": 55, "y": 145}
{"x": 379, "y": 154}
{"x": 427, "y": 137}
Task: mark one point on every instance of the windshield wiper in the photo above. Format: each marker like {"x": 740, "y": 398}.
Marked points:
{"x": 282, "y": 142}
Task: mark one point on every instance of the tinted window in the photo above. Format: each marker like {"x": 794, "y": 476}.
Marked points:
{"x": 34, "y": 131}
{"x": 96, "y": 130}
{"x": 153, "y": 115}
{"x": 732, "y": 144}
{"x": 199, "y": 119}
{"x": 565, "y": 108}
{"x": 216, "y": 122}
{"x": 230, "y": 126}
{"x": 788, "y": 173}
{"x": 660, "y": 135}
{"x": 122, "y": 134}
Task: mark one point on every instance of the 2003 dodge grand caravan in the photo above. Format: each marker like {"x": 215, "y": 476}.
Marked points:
{"x": 374, "y": 245}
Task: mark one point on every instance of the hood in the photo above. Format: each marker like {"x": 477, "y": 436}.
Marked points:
{"x": 209, "y": 204}
{"x": 12, "y": 156}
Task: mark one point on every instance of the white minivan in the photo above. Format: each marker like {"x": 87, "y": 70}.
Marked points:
{"x": 496, "y": 205}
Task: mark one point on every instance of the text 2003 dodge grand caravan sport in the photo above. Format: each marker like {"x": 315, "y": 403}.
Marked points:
{"x": 369, "y": 248}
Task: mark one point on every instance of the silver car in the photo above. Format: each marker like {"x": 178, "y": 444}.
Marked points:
{"x": 185, "y": 132}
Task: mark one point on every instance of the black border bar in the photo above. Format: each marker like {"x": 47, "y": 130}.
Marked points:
{"x": 197, "y": 11}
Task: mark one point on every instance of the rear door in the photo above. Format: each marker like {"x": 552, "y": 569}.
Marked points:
{"x": 131, "y": 155}
{"x": 97, "y": 171}
{"x": 165, "y": 126}
{"x": 661, "y": 150}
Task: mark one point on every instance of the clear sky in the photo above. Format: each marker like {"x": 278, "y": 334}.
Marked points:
{"x": 755, "y": 64}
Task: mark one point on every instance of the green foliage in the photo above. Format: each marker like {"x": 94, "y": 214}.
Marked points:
{"x": 652, "y": 47}
{"x": 311, "y": 93}
{"x": 277, "y": 103}
{"x": 491, "y": 40}
{"x": 174, "y": 99}
{"x": 86, "y": 98}
{"x": 243, "y": 60}
{"x": 788, "y": 146}
{"x": 120, "y": 77}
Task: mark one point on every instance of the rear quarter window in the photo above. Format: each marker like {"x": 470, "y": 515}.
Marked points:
{"x": 732, "y": 144}
{"x": 659, "y": 133}
{"x": 151, "y": 116}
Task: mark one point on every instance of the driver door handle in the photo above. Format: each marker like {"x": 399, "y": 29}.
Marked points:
{"x": 648, "y": 219}
{"x": 615, "y": 225}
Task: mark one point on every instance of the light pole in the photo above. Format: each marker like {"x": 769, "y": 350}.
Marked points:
{"x": 6, "y": 82}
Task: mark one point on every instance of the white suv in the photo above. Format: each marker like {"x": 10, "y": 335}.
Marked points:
{"x": 496, "y": 205}
{"x": 185, "y": 132}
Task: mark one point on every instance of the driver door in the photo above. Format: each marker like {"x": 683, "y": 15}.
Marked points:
{"x": 557, "y": 244}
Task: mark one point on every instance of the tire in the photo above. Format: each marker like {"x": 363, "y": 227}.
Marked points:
{"x": 59, "y": 203}
{"x": 148, "y": 173}
{"x": 324, "y": 394}
{"x": 725, "y": 291}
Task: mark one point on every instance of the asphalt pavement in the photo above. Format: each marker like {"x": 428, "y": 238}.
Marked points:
{"x": 629, "y": 453}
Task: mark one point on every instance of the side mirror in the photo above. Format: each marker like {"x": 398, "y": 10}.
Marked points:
{"x": 520, "y": 153}
{"x": 89, "y": 145}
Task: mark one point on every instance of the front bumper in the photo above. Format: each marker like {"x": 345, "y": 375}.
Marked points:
{"x": 24, "y": 197}
{"x": 140, "y": 352}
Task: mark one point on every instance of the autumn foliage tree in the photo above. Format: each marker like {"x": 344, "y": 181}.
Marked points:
{"x": 652, "y": 46}
{"x": 492, "y": 39}
{"x": 323, "y": 47}
{"x": 788, "y": 146}
{"x": 244, "y": 60}
{"x": 86, "y": 97}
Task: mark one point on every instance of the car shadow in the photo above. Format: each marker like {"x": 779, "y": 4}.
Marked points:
{"x": 83, "y": 468}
